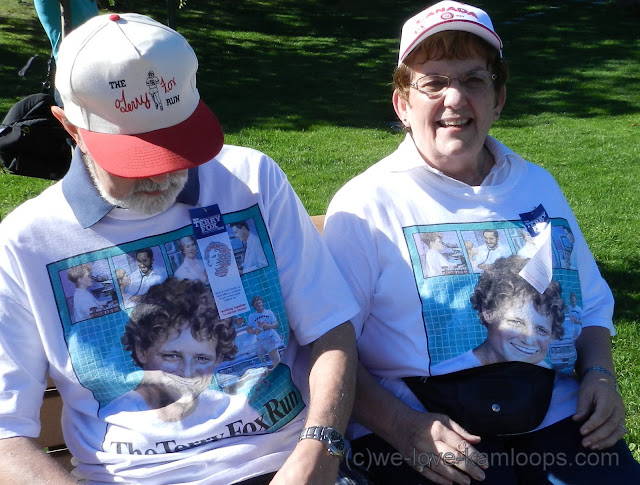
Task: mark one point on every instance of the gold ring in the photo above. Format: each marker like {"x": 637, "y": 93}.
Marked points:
{"x": 420, "y": 468}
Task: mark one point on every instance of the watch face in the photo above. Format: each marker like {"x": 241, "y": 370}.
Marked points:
{"x": 336, "y": 440}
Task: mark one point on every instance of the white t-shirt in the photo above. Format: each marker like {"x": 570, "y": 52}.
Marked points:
{"x": 258, "y": 429}
{"x": 409, "y": 323}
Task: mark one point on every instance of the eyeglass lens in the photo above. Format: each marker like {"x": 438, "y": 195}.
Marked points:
{"x": 472, "y": 82}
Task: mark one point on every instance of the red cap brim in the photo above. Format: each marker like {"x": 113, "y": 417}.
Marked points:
{"x": 193, "y": 142}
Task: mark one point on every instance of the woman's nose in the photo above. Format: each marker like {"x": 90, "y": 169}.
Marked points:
{"x": 454, "y": 94}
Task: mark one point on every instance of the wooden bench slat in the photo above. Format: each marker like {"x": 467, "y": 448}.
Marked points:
{"x": 318, "y": 221}
{"x": 51, "y": 430}
{"x": 62, "y": 457}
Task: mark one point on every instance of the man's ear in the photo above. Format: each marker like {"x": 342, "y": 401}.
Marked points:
{"x": 72, "y": 129}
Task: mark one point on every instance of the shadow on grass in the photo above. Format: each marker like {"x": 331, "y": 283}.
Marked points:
{"x": 575, "y": 58}
{"x": 624, "y": 280}
{"x": 331, "y": 62}
{"x": 14, "y": 55}
{"x": 311, "y": 62}
{"x": 288, "y": 64}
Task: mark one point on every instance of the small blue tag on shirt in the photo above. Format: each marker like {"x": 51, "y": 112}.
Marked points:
{"x": 206, "y": 221}
{"x": 535, "y": 221}
{"x": 219, "y": 262}
{"x": 539, "y": 270}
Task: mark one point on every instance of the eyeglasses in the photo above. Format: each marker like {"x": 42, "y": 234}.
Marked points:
{"x": 473, "y": 82}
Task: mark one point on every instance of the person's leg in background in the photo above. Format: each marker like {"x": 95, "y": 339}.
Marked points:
{"x": 50, "y": 16}
{"x": 554, "y": 455}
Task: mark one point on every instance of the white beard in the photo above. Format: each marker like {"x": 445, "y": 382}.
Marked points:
{"x": 144, "y": 204}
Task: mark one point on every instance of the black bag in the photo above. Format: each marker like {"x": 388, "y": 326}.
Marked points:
{"x": 33, "y": 143}
{"x": 490, "y": 400}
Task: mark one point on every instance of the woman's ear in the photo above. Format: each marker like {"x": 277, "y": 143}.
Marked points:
{"x": 401, "y": 106}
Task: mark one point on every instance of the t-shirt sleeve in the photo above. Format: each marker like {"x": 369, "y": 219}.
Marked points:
{"x": 316, "y": 296}
{"x": 23, "y": 365}
{"x": 352, "y": 244}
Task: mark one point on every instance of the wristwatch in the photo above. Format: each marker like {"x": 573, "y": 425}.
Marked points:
{"x": 329, "y": 436}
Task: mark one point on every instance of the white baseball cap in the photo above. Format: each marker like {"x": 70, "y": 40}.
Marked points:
{"x": 443, "y": 16}
{"x": 129, "y": 84}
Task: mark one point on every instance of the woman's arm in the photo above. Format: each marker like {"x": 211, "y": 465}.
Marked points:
{"x": 600, "y": 405}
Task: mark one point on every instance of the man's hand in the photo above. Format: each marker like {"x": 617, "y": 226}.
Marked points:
{"x": 435, "y": 445}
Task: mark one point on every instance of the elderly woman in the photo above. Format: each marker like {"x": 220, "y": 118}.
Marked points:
{"x": 448, "y": 174}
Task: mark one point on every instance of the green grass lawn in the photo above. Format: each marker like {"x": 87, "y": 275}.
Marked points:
{"x": 309, "y": 84}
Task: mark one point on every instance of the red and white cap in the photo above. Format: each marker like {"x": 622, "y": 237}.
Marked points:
{"x": 129, "y": 84}
{"x": 446, "y": 16}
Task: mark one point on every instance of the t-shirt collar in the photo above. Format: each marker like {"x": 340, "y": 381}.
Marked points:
{"x": 412, "y": 159}
{"x": 88, "y": 205}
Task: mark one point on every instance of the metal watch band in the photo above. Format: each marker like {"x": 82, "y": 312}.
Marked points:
{"x": 313, "y": 432}
{"x": 329, "y": 436}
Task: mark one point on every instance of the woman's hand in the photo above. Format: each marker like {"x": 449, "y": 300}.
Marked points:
{"x": 435, "y": 445}
{"x": 599, "y": 404}
{"x": 439, "y": 448}
{"x": 601, "y": 408}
